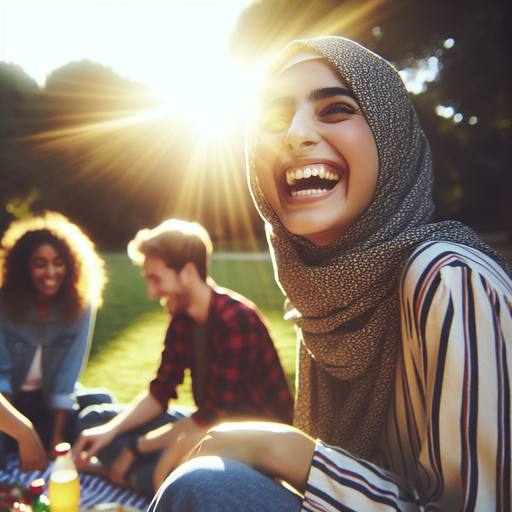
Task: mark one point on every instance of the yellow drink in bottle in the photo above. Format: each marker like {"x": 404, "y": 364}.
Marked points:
{"x": 64, "y": 488}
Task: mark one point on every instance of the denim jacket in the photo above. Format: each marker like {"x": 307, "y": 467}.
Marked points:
{"x": 65, "y": 350}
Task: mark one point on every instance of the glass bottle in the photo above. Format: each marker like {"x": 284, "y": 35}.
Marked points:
{"x": 40, "y": 502}
{"x": 64, "y": 489}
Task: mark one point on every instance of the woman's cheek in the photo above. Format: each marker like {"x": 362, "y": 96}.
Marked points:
{"x": 265, "y": 165}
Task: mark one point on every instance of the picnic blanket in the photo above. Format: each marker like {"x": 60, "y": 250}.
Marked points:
{"x": 93, "y": 489}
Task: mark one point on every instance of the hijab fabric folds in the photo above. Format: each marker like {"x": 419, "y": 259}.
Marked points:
{"x": 344, "y": 297}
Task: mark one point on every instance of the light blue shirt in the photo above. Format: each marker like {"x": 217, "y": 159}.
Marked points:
{"x": 65, "y": 350}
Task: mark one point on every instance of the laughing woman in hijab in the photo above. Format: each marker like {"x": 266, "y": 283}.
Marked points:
{"x": 52, "y": 280}
{"x": 404, "y": 326}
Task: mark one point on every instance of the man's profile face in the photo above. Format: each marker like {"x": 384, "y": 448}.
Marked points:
{"x": 165, "y": 283}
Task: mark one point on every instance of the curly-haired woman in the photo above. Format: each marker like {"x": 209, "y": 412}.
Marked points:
{"x": 52, "y": 281}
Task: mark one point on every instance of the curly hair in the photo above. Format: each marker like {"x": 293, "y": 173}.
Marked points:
{"x": 85, "y": 270}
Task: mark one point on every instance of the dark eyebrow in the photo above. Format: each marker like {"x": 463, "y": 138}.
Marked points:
{"x": 330, "y": 92}
{"x": 315, "y": 95}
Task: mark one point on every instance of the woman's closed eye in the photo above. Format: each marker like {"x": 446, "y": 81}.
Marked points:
{"x": 39, "y": 263}
{"x": 59, "y": 262}
{"x": 277, "y": 121}
{"x": 337, "y": 112}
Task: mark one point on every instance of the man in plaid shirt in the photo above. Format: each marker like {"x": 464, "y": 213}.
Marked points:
{"x": 217, "y": 334}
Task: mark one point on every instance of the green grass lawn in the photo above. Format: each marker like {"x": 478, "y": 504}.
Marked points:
{"x": 130, "y": 328}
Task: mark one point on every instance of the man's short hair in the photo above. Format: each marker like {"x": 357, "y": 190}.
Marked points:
{"x": 176, "y": 242}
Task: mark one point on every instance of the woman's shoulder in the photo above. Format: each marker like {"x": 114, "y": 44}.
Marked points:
{"x": 434, "y": 261}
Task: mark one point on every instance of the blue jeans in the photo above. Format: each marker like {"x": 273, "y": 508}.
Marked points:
{"x": 212, "y": 484}
{"x": 140, "y": 474}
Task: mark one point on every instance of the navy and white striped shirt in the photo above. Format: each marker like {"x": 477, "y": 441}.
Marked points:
{"x": 446, "y": 445}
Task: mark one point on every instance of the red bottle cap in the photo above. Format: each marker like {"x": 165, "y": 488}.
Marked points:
{"x": 37, "y": 486}
{"x": 62, "y": 449}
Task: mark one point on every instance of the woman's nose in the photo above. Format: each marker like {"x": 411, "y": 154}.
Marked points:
{"x": 302, "y": 133}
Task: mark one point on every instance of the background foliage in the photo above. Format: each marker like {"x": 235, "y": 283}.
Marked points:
{"x": 85, "y": 144}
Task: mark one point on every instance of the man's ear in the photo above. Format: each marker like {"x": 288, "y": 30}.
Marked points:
{"x": 189, "y": 273}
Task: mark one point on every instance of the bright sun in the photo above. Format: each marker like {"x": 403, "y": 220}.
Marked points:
{"x": 212, "y": 100}
{"x": 176, "y": 47}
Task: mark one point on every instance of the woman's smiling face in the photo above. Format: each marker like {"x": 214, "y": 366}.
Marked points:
{"x": 47, "y": 270}
{"x": 316, "y": 158}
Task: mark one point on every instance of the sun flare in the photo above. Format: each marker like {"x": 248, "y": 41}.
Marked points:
{"x": 210, "y": 98}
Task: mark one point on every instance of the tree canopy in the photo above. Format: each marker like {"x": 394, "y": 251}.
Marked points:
{"x": 91, "y": 146}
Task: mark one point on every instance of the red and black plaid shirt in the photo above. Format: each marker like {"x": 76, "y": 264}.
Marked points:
{"x": 245, "y": 379}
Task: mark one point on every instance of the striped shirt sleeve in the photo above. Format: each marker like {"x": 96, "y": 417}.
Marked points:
{"x": 446, "y": 445}
{"x": 340, "y": 482}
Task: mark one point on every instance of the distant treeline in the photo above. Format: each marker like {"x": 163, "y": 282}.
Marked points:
{"x": 93, "y": 146}
{"x": 87, "y": 146}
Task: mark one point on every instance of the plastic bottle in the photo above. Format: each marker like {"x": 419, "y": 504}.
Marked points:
{"x": 40, "y": 502}
{"x": 64, "y": 489}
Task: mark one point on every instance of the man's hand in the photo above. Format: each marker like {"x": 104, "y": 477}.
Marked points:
{"x": 182, "y": 439}
{"x": 32, "y": 452}
{"x": 90, "y": 442}
{"x": 276, "y": 450}
{"x": 142, "y": 409}
{"x": 120, "y": 467}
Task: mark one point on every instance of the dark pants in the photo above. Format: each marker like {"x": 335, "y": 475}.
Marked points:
{"x": 31, "y": 405}
{"x": 140, "y": 474}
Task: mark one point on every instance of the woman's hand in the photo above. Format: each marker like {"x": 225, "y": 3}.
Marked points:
{"x": 31, "y": 448}
{"x": 276, "y": 450}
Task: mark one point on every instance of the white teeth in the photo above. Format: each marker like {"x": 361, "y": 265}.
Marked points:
{"x": 293, "y": 175}
{"x": 308, "y": 192}
{"x": 298, "y": 174}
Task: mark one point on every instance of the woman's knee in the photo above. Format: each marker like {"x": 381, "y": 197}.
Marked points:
{"x": 212, "y": 483}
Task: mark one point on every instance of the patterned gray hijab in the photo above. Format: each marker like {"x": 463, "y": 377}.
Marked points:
{"x": 344, "y": 296}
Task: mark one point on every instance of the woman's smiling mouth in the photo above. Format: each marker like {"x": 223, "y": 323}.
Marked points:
{"x": 310, "y": 180}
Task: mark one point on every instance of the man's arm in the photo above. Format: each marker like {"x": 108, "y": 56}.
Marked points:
{"x": 143, "y": 408}
{"x": 177, "y": 439}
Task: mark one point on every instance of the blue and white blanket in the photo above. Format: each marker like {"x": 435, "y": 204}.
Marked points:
{"x": 93, "y": 489}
